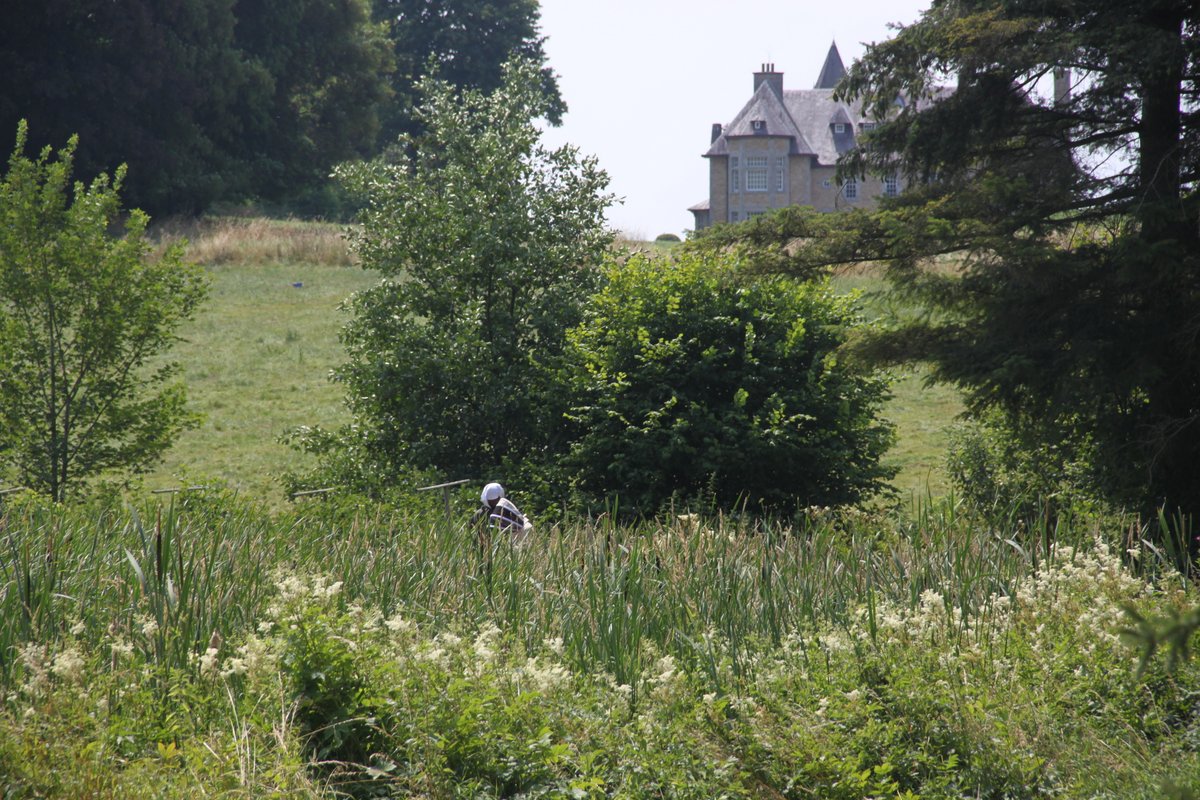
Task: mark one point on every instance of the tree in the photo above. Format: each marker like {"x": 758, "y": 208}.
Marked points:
{"x": 1074, "y": 219}
{"x": 695, "y": 380}
{"x": 329, "y": 67}
{"x": 206, "y": 100}
{"x": 151, "y": 83}
{"x": 84, "y": 317}
{"x": 486, "y": 244}
{"x": 465, "y": 43}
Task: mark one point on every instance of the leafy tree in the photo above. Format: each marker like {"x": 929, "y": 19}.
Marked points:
{"x": 1074, "y": 220}
{"x": 328, "y": 65}
{"x": 693, "y": 380}
{"x": 465, "y": 43}
{"x": 486, "y": 243}
{"x": 206, "y": 100}
{"x": 152, "y": 83}
{"x": 84, "y": 315}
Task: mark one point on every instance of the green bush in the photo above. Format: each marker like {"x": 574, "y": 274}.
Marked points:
{"x": 692, "y": 381}
{"x": 1001, "y": 474}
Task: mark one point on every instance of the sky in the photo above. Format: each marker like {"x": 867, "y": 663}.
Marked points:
{"x": 644, "y": 81}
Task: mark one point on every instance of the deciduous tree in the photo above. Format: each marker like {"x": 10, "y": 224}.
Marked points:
{"x": 465, "y": 43}
{"x": 85, "y": 315}
{"x": 486, "y": 244}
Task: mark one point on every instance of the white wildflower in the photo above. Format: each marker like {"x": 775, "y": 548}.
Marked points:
{"x": 78, "y": 628}
{"x": 68, "y": 665}
{"x": 233, "y": 666}
{"x": 149, "y": 626}
{"x": 210, "y": 663}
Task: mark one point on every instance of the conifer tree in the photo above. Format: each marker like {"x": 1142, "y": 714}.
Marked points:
{"x": 1071, "y": 216}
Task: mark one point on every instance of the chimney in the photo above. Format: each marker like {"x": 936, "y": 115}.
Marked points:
{"x": 771, "y": 77}
{"x": 716, "y": 132}
{"x": 1062, "y": 86}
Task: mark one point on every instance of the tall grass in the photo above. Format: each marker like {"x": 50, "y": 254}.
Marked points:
{"x": 171, "y": 576}
{"x": 225, "y": 241}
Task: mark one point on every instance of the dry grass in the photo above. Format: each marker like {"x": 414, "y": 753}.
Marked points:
{"x": 234, "y": 241}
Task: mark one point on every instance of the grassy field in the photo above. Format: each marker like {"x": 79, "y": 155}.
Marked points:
{"x": 256, "y": 361}
{"x": 257, "y": 358}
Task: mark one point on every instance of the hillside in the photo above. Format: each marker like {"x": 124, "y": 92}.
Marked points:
{"x": 257, "y": 359}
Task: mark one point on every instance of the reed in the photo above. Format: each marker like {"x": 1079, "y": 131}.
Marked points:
{"x": 171, "y": 576}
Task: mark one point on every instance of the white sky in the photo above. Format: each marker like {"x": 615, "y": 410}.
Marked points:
{"x": 645, "y": 80}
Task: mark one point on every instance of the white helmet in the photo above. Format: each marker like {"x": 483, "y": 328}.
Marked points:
{"x": 493, "y": 491}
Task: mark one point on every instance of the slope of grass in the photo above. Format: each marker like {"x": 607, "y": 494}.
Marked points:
{"x": 923, "y": 413}
{"x": 256, "y": 360}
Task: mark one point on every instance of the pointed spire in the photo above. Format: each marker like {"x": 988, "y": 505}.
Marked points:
{"x": 833, "y": 70}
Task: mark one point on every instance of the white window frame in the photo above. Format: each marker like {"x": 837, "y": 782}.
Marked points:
{"x": 850, "y": 189}
{"x": 891, "y": 186}
{"x": 779, "y": 174}
{"x": 734, "y": 176}
{"x": 756, "y": 173}
{"x": 839, "y": 127}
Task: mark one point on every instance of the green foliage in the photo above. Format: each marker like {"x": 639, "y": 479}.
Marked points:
{"x": 996, "y": 472}
{"x": 464, "y": 43}
{"x": 151, "y": 84}
{"x": 82, "y": 314}
{"x": 695, "y": 380}
{"x": 206, "y": 100}
{"x": 486, "y": 244}
{"x": 944, "y": 678}
{"x": 326, "y": 66}
{"x": 1071, "y": 305}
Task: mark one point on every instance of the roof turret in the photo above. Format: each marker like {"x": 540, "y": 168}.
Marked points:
{"x": 832, "y": 71}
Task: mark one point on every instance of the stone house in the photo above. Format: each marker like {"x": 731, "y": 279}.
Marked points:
{"x": 782, "y": 149}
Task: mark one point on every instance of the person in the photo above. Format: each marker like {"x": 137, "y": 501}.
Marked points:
{"x": 497, "y": 511}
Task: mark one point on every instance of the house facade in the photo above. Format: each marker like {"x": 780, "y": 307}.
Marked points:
{"x": 782, "y": 149}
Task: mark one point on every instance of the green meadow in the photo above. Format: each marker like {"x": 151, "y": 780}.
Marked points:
{"x": 257, "y": 360}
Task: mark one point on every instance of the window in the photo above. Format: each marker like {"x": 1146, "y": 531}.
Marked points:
{"x": 839, "y": 127}
{"x": 756, "y": 174}
{"x": 759, "y": 125}
{"x": 891, "y": 187}
{"x": 779, "y": 174}
{"x": 734, "y": 179}
{"x": 733, "y": 216}
{"x": 868, "y": 126}
{"x": 850, "y": 189}
{"x": 827, "y": 183}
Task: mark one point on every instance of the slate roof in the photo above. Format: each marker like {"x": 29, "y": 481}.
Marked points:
{"x": 832, "y": 71}
{"x": 767, "y": 109}
{"x": 806, "y": 116}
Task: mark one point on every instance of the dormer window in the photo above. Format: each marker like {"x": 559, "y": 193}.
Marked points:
{"x": 839, "y": 127}
{"x": 759, "y": 125}
{"x": 868, "y": 126}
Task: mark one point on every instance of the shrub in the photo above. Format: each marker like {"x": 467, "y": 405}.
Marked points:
{"x": 693, "y": 380}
